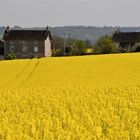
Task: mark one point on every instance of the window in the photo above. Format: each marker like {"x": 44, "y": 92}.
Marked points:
{"x": 24, "y": 49}
{"x": 36, "y": 49}
{"x": 24, "y": 42}
{"x": 12, "y": 49}
{"x": 11, "y": 42}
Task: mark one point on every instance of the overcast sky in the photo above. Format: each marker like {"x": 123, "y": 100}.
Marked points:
{"x": 29, "y": 13}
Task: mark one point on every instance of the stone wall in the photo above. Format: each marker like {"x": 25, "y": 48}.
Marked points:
{"x": 25, "y": 49}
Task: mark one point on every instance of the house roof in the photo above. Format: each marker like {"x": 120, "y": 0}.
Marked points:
{"x": 26, "y": 35}
{"x": 126, "y": 37}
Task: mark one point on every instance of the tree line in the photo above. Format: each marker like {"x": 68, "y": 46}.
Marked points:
{"x": 75, "y": 47}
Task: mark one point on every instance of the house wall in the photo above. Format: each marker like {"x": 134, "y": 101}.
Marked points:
{"x": 129, "y": 46}
{"x": 48, "y": 50}
{"x": 29, "y": 53}
{"x": 137, "y": 44}
{"x": 1, "y": 57}
{"x": 1, "y": 49}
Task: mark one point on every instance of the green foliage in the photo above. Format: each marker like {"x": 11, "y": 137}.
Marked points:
{"x": 57, "y": 52}
{"x": 75, "y": 47}
{"x": 78, "y": 48}
{"x": 57, "y": 42}
{"x": 11, "y": 56}
{"x": 72, "y": 47}
{"x": 105, "y": 45}
{"x": 89, "y": 51}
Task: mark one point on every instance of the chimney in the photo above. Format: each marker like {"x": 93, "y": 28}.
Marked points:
{"x": 8, "y": 29}
{"x": 47, "y": 28}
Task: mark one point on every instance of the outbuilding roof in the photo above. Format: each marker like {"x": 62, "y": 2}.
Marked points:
{"x": 126, "y": 37}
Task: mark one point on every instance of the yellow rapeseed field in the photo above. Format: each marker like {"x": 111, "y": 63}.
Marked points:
{"x": 71, "y": 98}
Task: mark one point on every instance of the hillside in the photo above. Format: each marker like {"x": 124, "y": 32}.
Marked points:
{"x": 90, "y": 33}
{"x": 89, "y": 97}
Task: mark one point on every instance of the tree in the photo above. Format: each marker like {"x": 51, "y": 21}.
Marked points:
{"x": 72, "y": 46}
{"x": 105, "y": 45}
{"x": 57, "y": 46}
{"x": 57, "y": 42}
{"x": 88, "y": 43}
{"x": 78, "y": 48}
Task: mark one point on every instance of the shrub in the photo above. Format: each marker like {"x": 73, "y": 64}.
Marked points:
{"x": 11, "y": 56}
{"x": 78, "y": 48}
{"x": 57, "y": 52}
{"x": 105, "y": 45}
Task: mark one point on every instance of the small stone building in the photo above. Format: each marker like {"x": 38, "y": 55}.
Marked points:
{"x": 27, "y": 43}
{"x": 127, "y": 41}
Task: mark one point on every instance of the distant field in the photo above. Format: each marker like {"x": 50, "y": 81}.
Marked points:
{"x": 71, "y": 98}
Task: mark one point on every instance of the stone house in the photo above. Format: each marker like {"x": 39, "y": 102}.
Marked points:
{"x": 27, "y": 43}
{"x": 127, "y": 41}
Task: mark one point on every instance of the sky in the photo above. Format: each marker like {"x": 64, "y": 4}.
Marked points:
{"x": 40, "y": 13}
